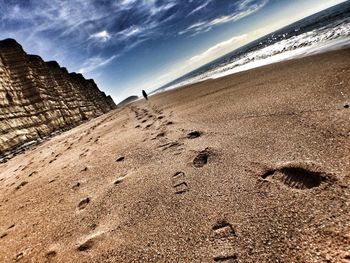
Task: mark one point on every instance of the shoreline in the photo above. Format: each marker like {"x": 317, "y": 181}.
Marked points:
{"x": 330, "y": 46}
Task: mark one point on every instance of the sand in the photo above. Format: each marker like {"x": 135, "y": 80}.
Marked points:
{"x": 252, "y": 167}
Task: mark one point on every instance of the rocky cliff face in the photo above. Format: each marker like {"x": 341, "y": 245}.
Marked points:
{"x": 38, "y": 98}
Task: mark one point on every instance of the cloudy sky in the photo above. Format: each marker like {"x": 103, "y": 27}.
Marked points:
{"x": 129, "y": 45}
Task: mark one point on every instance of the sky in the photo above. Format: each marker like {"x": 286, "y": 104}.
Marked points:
{"x": 130, "y": 45}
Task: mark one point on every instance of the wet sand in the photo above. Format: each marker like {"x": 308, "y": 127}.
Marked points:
{"x": 252, "y": 167}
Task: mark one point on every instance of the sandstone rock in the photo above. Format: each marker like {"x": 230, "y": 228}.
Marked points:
{"x": 38, "y": 98}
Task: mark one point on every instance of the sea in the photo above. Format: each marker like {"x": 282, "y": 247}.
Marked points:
{"x": 324, "y": 31}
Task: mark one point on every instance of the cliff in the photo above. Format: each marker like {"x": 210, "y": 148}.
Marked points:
{"x": 38, "y": 98}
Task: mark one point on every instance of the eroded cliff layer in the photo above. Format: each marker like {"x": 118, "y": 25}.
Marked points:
{"x": 38, "y": 98}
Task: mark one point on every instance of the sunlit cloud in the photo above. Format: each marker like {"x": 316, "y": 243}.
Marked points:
{"x": 246, "y": 8}
{"x": 217, "y": 50}
{"x": 199, "y": 8}
{"x": 130, "y": 31}
{"x": 94, "y": 63}
{"x": 102, "y": 36}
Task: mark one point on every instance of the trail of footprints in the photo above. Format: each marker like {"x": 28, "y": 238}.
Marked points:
{"x": 223, "y": 232}
{"x": 297, "y": 176}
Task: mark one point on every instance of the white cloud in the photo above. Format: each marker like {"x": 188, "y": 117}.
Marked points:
{"x": 218, "y": 50}
{"x": 245, "y": 9}
{"x": 102, "y": 36}
{"x": 199, "y": 8}
{"x": 156, "y": 9}
{"x": 130, "y": 31}
{"x": 126, "y": 2}
{"x": 94, "y": 63}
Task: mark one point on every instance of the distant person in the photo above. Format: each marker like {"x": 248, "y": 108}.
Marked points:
{"x": 144, "y": 94}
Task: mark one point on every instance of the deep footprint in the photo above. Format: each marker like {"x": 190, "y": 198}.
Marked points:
{"x": 296, "y": 177}
{"x": 51, "y": 254}
{"x": 83, "y": 203}
{"x": 193, "y": 135}
{"x": 162, "y": 134}
{"x": 86, "y": 245}
{"x": 201, "y": 159}
{"x": 120, "y": 159}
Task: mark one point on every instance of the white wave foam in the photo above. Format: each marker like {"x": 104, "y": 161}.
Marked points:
{"x": 314, "y": 42}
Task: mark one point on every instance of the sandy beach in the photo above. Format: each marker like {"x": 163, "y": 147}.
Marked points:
{"x": 252, "y": 167}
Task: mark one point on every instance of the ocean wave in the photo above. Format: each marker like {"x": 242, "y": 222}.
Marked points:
{"x": 280, "y": 48}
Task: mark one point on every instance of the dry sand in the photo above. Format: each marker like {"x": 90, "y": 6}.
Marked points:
{"x": 265, "y": 178}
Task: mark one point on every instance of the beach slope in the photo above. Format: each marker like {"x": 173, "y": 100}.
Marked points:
{"x": 252, "y": 167}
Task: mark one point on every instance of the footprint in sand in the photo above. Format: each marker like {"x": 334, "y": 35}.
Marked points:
{"x": 179, "y": 183}
{"x": 226, "y": 259}
{"x": 21, "y": 185}
{"x": 32, "y": 173}
{"x": 53, "y": 180}
{"x": 83, "y": 203}
{"x": 51, "y": 254}
{"x": 223, "y": 229}
{"x": 169, "y": 145}
{"x": 86, "y": 245}
{"x": 159, "y": 135}
{"x": 202, "y": 158}
{"x": 76, "y": 186}
{"x": 119, "y": 180}
{"x": 194, "y": 134}
{"x": 300, "y": 176}
{"x": 19, "y": 256}
{"x": 120, "y": 159}
{"x": 223, "y": 233}
{"x": 90, "y": 241}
